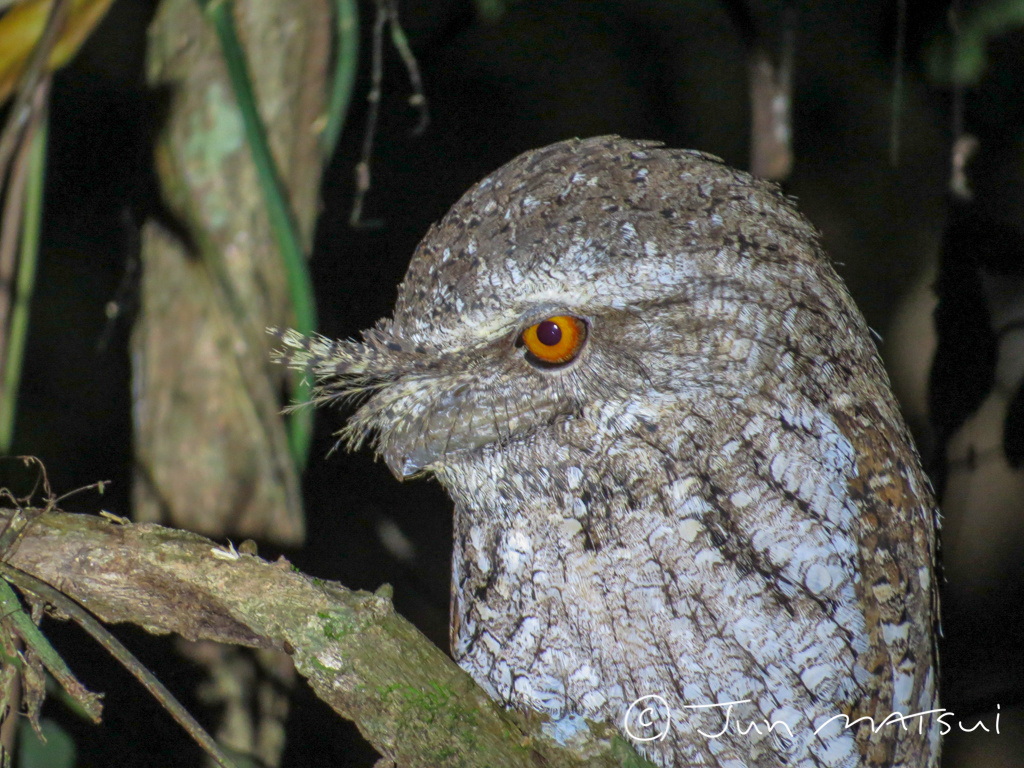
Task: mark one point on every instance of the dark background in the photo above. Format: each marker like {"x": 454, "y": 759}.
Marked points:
{"x": 657, "y": 69}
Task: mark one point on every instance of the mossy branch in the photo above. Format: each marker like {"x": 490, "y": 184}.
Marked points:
{"x": 368, "y": 663}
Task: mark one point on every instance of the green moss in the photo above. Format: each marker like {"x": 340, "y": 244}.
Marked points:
{"x": 337, "y": 626}
{"x": 321, "y": 667}
{"x": 215, "y": 134}
{"x": 627, "y": 756}
{"x": 435, "y": 699}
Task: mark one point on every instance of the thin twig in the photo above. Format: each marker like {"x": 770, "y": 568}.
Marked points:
{"x": 24, "y": 104}
{"x": 68, "y": 606}
{"x": 897, "y": 82}
{"x": 953, "y": 19}
{"x": 418, "y": 99}
{"x": 119, "y": 308}
{"x": 362, "y": 169}
{"x": 16, "y": 529}
{"x": 19, "y": 503}
{"x": 964, "y": 145}
{"x": 387, "y": 13}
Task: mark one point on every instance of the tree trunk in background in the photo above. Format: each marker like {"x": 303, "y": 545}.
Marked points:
{"x": 211, "y": 449}
{"x": 210, "y": 445}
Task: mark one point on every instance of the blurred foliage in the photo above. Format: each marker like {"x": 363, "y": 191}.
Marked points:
{"x": 960, "y": 57}
{"x": 279, "y": 209}
{"x": 55, "y": 749}
{"x": 31, "y": 227}
{"x": 489, "y": 11}
{"x": 22, "y": 25}
{"x": 346, "y": 19}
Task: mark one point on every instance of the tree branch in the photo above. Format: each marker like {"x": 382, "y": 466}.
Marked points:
{"x": 368, "y": 663}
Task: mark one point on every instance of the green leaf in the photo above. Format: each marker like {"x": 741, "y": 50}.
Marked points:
{"x": 962, "y": 59}
{"x": 58, "y": 751}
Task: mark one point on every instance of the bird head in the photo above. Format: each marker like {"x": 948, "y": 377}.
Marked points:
{"x": 575, "y": 275}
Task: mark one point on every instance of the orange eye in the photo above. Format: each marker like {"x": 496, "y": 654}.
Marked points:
{"x": 556, "y": 340}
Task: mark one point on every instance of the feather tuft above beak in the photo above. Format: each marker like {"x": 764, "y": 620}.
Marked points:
{"x": 349, "y": 367}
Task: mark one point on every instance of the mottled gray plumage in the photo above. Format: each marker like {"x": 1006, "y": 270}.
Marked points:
{"x": 716, "y": 501}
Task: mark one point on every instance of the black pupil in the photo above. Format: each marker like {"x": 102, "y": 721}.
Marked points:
{"x": 548, "y": 333}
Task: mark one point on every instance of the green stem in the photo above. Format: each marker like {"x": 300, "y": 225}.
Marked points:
{"x": 29, "y": 583}
{"x": 30, "y": 228}
{"x": 347, "y": 16}
{"x": 282, "y": 222}
{"x": 11, "y": 610}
